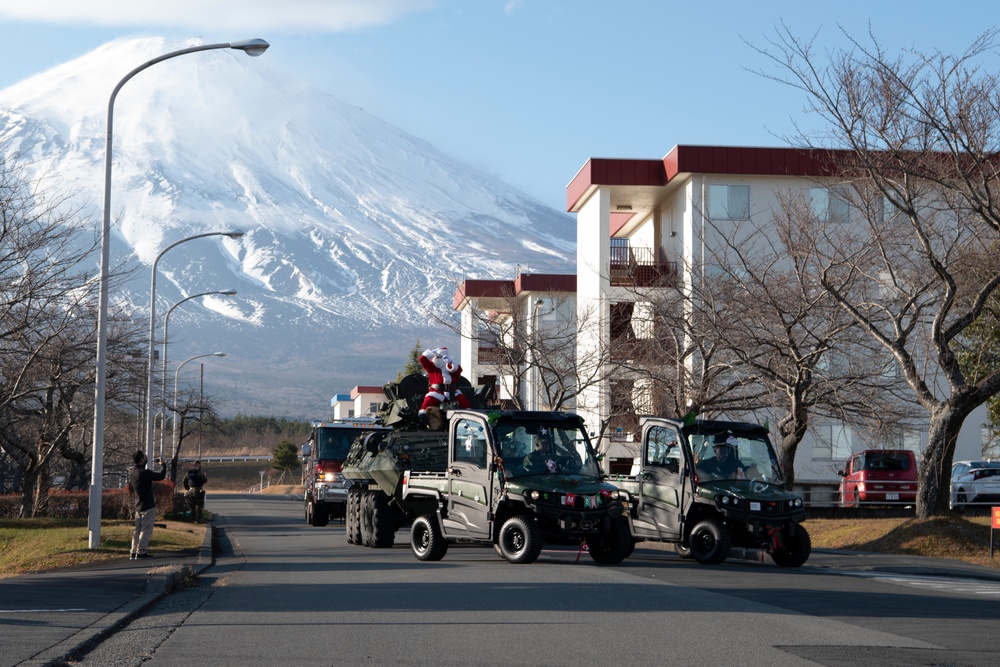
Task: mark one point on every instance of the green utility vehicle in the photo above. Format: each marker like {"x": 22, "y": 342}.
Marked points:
{"x": 513, "y": 480}
{"x": 708, "y": 486}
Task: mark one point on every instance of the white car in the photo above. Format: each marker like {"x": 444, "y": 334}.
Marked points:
{"x": 975, "y": 483}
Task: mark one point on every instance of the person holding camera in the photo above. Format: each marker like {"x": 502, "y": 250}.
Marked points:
{"x": 140, "y": 482}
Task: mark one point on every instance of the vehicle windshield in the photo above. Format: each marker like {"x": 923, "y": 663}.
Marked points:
{"x": 540, "y": 447}
{"x": 733, "y": 455}
{"x": 334, "y": 443}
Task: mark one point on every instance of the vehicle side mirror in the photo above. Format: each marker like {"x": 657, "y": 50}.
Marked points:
{"x": 306, "y": 450}
{"x": 842, "y": 473}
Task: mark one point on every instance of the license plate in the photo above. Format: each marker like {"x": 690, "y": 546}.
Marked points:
{"x": 892, "y": 496}
{"x": 754, "y": 506}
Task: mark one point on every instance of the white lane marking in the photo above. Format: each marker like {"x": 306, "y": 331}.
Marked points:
{"x": 37, "y": 611}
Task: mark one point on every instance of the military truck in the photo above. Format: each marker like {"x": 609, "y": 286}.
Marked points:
{"x": 513, "y": 480}
{"x": 707, "y": 486}
{"x": 324, "y": 488}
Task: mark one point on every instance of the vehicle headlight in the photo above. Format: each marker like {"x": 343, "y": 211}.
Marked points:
{"x": 797, "y": 502}
{"x": 614, "y": 495}
{"x": 725, "y": 500}
{"x": 534, "y": 495}
{"x": 329, "y": 477}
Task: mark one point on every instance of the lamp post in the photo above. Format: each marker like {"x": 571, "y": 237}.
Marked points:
{"x": 163, "y": 366}
{"x": 176, "y": 374}
{"x": 233, "y": 234}
{"x": 252, "y": 47}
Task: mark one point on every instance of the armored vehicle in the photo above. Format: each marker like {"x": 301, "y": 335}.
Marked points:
{"x": 708, "y": 486}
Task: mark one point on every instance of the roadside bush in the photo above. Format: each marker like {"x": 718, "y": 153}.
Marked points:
{"x": 115, "y": 503}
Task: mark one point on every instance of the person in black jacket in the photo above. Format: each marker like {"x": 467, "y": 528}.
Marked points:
{"x": 140, "y": 482}
{"x": 194, "y": 483}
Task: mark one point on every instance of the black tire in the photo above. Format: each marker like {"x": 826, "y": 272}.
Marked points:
{"x": 309, "y": 514}
{"x": 961, "y": 499}
{"x": 320, "y": 515}
{"x": 683, "y": 551}
{"x": 356, "y": 518}
{"x": 367, "y": 538}
{"x": 426, "y": 539}
{"x": 383, "y": 521}
{"x": 796, "y": 549}
{"x": 710, "y": 542}
{"x": 612, "y": 548}
{"x": 352, "y": 497}
{"x": 520, "y": 541}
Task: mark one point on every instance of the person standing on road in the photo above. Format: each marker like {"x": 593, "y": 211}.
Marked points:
{"x": 140, "y": 482}
{"x": 194, "y": 483}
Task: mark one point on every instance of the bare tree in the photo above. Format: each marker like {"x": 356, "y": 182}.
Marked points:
{"x": 192, "y": 408}
{"x": 920, "y": 133}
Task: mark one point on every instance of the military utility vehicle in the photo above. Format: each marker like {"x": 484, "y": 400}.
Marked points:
{"x": 514, "y": 480}
{"x": 708, "y": 486}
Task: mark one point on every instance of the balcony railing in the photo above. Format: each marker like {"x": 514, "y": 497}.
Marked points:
{"x": 638, "y": 267}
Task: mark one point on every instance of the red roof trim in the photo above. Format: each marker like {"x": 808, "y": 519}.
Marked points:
{"x": 525, "y": 282}
{"x": 365, "y": 389}
{"x": 736, "y": 160}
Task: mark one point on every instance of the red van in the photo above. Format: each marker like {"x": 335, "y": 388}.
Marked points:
{"x": 879, "y": 476}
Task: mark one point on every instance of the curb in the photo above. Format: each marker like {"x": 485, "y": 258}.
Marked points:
{"x": 161, "y": 582}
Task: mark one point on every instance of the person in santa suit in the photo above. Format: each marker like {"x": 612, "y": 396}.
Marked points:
{"x": 442, "y": 375}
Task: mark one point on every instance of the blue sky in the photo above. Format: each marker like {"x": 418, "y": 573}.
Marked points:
{"x": 527, "y": 90}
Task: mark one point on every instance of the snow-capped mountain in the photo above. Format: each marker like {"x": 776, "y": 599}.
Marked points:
{"x": 357, "y": 234}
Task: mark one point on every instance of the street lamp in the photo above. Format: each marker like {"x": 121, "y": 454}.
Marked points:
{"x": 163, "y": 374}
{"x": 177, "y": 372}
{"x": 252, "y": 47}
{"x": 233, "y": 234}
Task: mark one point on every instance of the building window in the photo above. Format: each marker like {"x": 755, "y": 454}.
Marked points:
{"x": 729, "y": 202}
{"x": 829, "y": 204}
{"x": 831, "y": 443}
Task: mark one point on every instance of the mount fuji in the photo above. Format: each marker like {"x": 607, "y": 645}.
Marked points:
{"x": 357, "y": 233}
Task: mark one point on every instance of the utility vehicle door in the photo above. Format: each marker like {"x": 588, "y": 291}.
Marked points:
{"x": 664, "y": 479}
{"x": 471, "y": 487}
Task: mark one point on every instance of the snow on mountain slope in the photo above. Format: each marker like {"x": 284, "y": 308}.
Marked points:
{"x": 357, "y": 233}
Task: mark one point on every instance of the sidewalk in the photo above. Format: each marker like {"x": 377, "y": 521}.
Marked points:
{"x": 47, "y": 618}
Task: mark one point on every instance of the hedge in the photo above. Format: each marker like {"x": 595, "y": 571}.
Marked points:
{"x": 115, "y": 503}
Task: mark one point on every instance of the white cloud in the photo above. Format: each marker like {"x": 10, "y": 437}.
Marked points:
{"x": 287, "y": 15}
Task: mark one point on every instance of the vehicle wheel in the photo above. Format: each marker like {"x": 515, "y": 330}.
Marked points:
{"x": 520, "y": 541}
{"x": 683, "y": 551}
{"x": 961, "y": 498}
{"x": 320, "y": 515}
{"x": 631, "y": 545}
{"x": 496, "y": 547}
{"x": 367, "y": 538}
{"x": 796, "y": 549}
{"x": 309, "y": 513}
{"x": 426, "y": 539}
{"x": 709, "y": 542}
{"x": 612, "y": 548}
{"x": 383, "y": 522}
{"x": 857, "y": 498}
{"x": 349, "y": 517}
{"x": 357, "y": 518}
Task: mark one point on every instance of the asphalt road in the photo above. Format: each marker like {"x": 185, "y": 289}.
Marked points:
{"x": 287, "y": 593}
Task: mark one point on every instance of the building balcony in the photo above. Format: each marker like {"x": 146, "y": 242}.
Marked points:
{"x": 638, "y": 267}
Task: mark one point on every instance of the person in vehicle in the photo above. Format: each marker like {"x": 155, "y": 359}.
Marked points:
{"x": 725, "y": 464}
{"x": 542, "y": 457}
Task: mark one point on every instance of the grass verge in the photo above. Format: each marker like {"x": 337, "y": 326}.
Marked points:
{"x": 37, "y": 545}
{"x": 952, "y": 536}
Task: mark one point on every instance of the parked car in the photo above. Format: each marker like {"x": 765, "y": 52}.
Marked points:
{"x": 974, "y": 483}
{"x": 879, "y": 476}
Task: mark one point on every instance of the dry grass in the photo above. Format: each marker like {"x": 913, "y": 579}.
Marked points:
{"x": 282, "y": 489}
{"x": 952, "y": 536}
{"x": 37, "y": 545}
